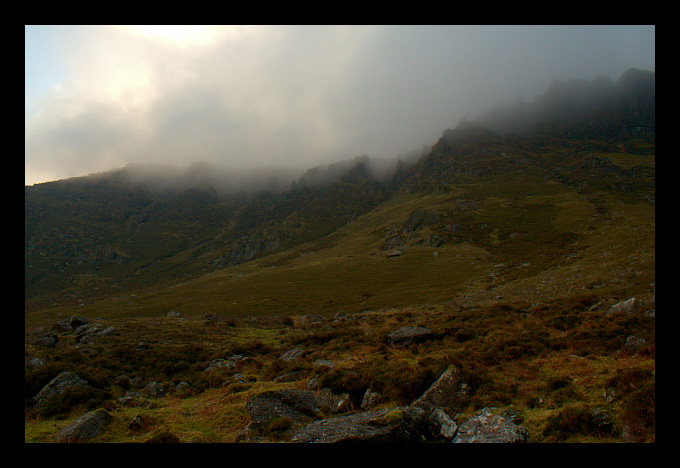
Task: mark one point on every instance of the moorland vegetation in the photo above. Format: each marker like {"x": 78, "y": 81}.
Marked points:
{"x": 174, "y": 313}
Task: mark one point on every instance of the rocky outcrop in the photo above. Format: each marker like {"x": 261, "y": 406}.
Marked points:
{"x": 449, "y": 393}
{"x": 300, "y": 406}
{"x": 404, "y": 424}
{"x": 88, "y": 426}
{"x": 491, "y": 425}
{"x": 57, "y": 386}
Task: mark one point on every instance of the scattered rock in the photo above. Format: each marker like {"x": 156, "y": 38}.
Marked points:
{"x": 76, "y": 321}
{"x": 154, "y": 389}
{"x": 62, "y": 327}
{"x": 292, "y": 355}
{"x": 86, "y": 427}
{"x": 628, "y": 307}
{"x": 323, "y": 364}
{"x": 35, "y": 363}
{"x": 405, "y": 424}
{"x": 58, "y": 385}
{"x": 370, "y": 400}
{"x": 393, "y": 253}
{"x": 633, "y": 344}
{"x": 220, "y": 363}
{"x": 137, "y": 424}
{"x": 407, "y": 335}
{"x": 491, "y": 425}
{"x": 108, "y": 331}
{"x": 49, "y": 341}
{"x": 300, "y": 406}
{"x": 173, "y": 314}
{"x": 134, "y": 399}
{"x": 449, "y": 393}
{"x": 333, "y": 403}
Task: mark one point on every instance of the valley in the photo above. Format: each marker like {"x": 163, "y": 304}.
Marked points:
{"x": 515, "y": 252}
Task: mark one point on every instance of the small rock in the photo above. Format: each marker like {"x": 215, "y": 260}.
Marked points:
{"x": 628, "y": 307}
{"x": 292, "y": 355}
{"x": 633, "y": 344}
{"x": 154, "y": 389}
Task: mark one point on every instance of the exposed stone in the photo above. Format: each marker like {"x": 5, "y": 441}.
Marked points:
{"x": 58, "y": 386}
{"x": 333, "y": 403}
{"x": 407, "y": 335}
{"x": 449, "y": 393}
{"x": 491, "y": 425}
{"x": 633, "y": 344}
{"x": 86, "y": 427}
{"x": 628, "y": 307}
{"x": 292, "y": 355}
{"x": 370, "y": 400}
{"x": 220, "y": 363}
{"x": 154, "y": 389}
{"x": 405, "y": 424}
{"x": 300, "y": 406}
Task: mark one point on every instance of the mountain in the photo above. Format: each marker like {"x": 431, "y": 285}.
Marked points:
{"x": 598, "y": 108}
{"x": 528, "y": 255}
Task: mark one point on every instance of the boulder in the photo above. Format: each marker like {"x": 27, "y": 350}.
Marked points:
{"x": 58, "y": 386}
{"x": 491, "y": 425}
{"x": 76, "y": 321}
{"x": 154, "y": 389}
{"x": 633, "y": 344}
{"x": 404, "y": 424}
{"x": 628, "y": 307}
{"x": 300, "y": 406}
{"x": 370, "y": 399}
{"x": 405, "y": 336}
{"x": 49, "y": 341}
{"x": 86, "y": 427}
{"x": 332, "y": 403}
{"x": 449, "y": 393}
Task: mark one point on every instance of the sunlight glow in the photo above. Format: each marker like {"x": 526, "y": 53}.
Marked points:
{"x": 179, "y": 34}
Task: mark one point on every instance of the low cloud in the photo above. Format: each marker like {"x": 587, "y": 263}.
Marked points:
{"x": 295, "y": 96}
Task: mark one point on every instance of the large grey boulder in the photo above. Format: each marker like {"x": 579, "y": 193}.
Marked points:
{"x": 491, "y": 425}
{"x": 404, "y": 424}
{"x": 86, "y": 427}
{"x": 300, "y": 406}
{"x": 449, "y": 393}
{"x": 58, "y": 386}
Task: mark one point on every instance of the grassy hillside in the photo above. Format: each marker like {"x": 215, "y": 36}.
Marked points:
{"x": 517, "y": 293}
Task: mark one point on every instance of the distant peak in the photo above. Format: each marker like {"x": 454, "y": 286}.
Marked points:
{"x": 465, "y": 130}
{"x": 465, "y": 124}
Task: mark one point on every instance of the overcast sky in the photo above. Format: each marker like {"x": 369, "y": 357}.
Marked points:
{"x": 100, "y": 97}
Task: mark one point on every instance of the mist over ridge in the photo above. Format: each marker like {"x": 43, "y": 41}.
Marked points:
{"x": 562, "y": 103}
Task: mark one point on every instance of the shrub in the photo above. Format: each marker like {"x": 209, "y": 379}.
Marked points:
{"x": 578, "y": 419}
{"x": 639, "y": 416}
